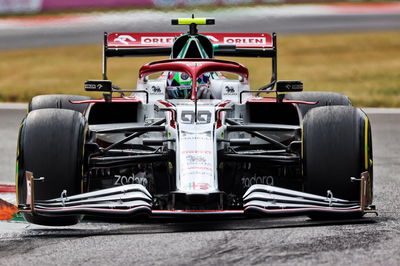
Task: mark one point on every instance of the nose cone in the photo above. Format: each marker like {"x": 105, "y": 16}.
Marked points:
{"x": 196, "y": 148}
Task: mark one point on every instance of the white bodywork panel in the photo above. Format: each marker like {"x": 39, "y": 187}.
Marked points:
{"x": 196, "y": 148}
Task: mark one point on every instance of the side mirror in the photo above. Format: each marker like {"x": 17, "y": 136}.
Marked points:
{"x": 289, "y": 85}
{"x": 98, "y": 85}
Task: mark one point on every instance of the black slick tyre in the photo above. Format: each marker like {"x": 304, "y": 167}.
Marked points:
{"x": 59, "y": 101}
{"x": 50, "y": 145}
{"x": 322, "y": 99}
{"x": 337, "y": 145}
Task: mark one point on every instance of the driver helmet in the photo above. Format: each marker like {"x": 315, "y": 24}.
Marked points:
{"x": 179, "y": 84}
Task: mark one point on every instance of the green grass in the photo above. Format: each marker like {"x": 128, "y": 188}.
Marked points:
{"x": 365, "y": 66}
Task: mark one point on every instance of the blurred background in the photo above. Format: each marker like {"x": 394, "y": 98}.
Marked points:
{"x": 53, "y": 46}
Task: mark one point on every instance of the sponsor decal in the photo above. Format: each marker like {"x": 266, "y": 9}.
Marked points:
{"x": 196, "y": 166}
{"x": 230, "y": 90}
{"x": 197, "y": 137}
{"x": 125, "y": 39}
{"x": 90, "y": 86}
{"x": 245, "y": 40}
{"x": 249, "y": 181}
{"x": 196, "y": 173}
{"x": 155, "y": 90}
{"x": 125, "y": 180}
{"x": 192, "y": 159}
{"x": 197, "y": 185}
{"x": 194, "y": 152}
{"x": 156, "y": 40}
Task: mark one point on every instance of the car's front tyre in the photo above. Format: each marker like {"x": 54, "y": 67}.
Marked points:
{"x": 337, "y": 145}
{"x": 51, "y": 145}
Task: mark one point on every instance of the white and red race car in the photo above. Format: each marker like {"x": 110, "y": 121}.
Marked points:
{"x": 193, "y": 138}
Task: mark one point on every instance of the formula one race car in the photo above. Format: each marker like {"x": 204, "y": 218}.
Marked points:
{"x": 193, "y": 139}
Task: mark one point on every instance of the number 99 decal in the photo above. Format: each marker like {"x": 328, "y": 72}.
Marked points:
{"x": 188, "y": 116}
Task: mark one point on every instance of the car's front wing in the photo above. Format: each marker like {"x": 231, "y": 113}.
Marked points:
{"x": 132, "y": 200}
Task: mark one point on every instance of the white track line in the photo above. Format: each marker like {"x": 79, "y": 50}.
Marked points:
{"x": 13, "y": 106}
{"x": 382, "y": 110}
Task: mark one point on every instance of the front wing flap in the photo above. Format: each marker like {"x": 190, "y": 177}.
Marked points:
{"x": 268, "y": 200}
{"x": 127, "y": 200}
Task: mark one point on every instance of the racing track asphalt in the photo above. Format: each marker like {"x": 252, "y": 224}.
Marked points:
{"x": 373, "y": 240}
{"x": 290, "y": 241}
{"x": 286, "y": 20}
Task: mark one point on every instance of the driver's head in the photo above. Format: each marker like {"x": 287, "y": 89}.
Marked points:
{"x": 179, "y": 85}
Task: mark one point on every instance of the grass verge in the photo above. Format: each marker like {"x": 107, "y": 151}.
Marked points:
{"x": 365, "y": 66}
